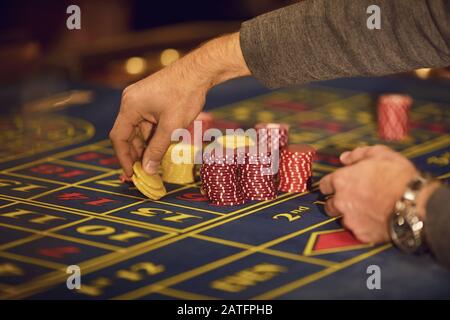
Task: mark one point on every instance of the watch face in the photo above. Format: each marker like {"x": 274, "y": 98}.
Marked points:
{"x": 403, "y": 235}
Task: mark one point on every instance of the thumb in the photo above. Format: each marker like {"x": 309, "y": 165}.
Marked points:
{"x": 157, "y": 146}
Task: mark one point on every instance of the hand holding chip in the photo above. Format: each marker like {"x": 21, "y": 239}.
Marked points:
{"x": 150, "y": 110}
{"x": 169, "y": 99}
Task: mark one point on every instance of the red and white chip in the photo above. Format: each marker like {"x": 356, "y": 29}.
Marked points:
{"x": 393, "y": 116}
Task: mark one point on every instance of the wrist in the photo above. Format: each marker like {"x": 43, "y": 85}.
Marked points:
{"x": 217, "y": 61}
{"x": 229, "y": 61}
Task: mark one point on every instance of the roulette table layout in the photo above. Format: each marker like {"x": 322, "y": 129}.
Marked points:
{"x": 62, "y": 203}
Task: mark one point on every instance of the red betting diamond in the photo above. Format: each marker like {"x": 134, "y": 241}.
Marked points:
{"x": 331, "y": 241}
{"x": 337, "y": 239}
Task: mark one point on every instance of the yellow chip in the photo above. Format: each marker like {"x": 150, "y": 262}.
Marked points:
{"x": 235, "y": 141}
{"x": 179, "y": 173}
{"x": 149, "y": 185}
{"x": 145, "y": 191}
{"x": 180, "y": 153}
{"x": 178, "y": 163}
{"x": 154, "y": 182}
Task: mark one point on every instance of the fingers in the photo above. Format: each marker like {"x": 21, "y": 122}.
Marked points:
{"x": 134, "y": 154}
{"x": 146, "y": 130}
{"x": 330, "y": 208}
{"x": 326, "y": 184}
{"x": 332, "y": 184}
{"x": 136, "y": 150}
{"x": 120, "y": 136}
{"x": 138, "y": 145}
{"x": 157, "y": 146}
{"x": 360, "y": 153}
{"x": 351, "y": 157}
{"x": 123, "y": 178}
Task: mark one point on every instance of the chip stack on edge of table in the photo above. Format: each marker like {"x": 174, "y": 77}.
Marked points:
{"x": 295, "y": 170}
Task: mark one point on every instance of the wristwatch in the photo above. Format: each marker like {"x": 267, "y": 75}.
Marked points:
{"x": 406, "y": 228}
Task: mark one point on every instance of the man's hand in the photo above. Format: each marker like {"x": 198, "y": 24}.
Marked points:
{"x": 366, "y": 189}
{"x": 154, "y": 107}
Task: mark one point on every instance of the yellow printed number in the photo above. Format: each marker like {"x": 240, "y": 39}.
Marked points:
{"x": 292, "y": 215}
{"x": 139, "y": 270}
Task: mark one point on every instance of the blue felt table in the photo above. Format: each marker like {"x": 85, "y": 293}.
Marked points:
{"x": 61, "y": 202}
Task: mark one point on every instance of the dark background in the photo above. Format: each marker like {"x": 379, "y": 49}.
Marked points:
{"x": 35, "y": 42}
{"x": 34, "y": 37}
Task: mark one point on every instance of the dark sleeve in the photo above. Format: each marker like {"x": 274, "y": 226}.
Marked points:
{"x": 323, "y": 39}
{"x": 437, "y": 225}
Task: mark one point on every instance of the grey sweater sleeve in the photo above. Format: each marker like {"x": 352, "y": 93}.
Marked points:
{"x": 323, "y": 39}
{"x": 437, "y": 226}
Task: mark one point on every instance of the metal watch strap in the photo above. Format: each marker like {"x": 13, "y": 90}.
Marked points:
{"x": 406, "y": 228}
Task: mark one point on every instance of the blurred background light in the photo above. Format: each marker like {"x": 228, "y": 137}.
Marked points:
{"x": 169, "y": 56}
{"x": 135, "y": 65}
{"x": 422, "y": 73}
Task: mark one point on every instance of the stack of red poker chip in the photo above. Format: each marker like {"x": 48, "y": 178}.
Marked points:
{"x": 271, "y": 133}
{"x": 256, "y": 176}
{"x": 295, "y": 170}
{"x": 393, "y": 116}
{"x": 220, "y": 181}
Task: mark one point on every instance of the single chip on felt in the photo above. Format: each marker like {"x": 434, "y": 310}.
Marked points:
{"x": 151, "y": 186}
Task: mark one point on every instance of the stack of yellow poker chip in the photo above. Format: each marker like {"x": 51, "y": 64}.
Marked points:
{"x": 149, "y": 185}
{"x": 178, "y": 165}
